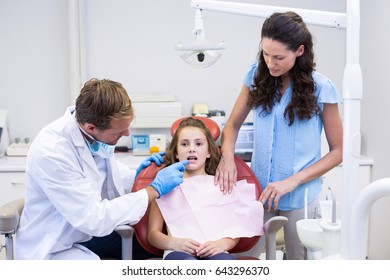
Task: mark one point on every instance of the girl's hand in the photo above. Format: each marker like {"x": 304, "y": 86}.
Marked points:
{"x": 210, "y": 248}
{"x": 186, "y": 245}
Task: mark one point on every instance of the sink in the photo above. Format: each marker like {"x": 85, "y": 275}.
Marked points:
{"x": 311, "y": 235}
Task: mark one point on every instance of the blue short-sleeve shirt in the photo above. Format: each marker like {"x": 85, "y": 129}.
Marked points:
{"x": 281, "y": 150}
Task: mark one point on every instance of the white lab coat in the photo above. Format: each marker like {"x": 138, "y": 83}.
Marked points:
{"x": 63, "y": 203}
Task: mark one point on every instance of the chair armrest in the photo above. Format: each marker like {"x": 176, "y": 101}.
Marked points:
{"x": 126, "y": 232}
{"x": 9, "y": 216}
{"x": 271, "y": 227}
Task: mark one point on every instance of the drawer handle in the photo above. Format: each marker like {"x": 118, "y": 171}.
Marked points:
{"x": 18, "y": 184}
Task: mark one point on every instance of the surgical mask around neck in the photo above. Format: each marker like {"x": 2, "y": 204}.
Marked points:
{"x": 99, "y": 148}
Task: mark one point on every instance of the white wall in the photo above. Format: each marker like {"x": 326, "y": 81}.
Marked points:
{"x": 375, "y": 61}
{"x": 137, "y": 48}
{"x": 132, "y": 42}
{"x": 34, "y": 79}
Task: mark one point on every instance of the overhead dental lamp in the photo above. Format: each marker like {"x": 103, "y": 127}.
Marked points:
{"x": 200, "y": 53}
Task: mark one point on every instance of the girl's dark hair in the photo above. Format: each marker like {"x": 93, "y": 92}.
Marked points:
{"x": 211, "y": 162}
{"x": 289, "y": 29}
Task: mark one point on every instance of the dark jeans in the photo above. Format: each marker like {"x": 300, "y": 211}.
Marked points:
{"x": 184, "y": 256}
{"x": 109, "y": 247}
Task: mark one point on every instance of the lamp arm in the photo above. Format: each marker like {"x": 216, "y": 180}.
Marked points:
{"x": 321, "y": 18}
{"x": 199, "y": 28}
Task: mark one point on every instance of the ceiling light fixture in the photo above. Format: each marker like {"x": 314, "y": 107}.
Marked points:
{"x": 200, "y": 53}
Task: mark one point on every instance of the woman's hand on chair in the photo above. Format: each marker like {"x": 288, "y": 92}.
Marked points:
{"x": 226, "y": 174}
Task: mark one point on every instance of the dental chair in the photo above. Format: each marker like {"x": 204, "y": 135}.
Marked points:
{"x": 9, "y": 220}
{"x": 270, "y": 228}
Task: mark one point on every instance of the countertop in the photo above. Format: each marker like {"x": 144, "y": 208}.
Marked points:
{"x": 18, "y": 164}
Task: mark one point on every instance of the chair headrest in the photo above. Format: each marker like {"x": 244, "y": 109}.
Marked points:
{"x": 209, "y": 123}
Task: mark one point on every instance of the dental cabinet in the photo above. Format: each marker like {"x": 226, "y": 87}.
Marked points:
{"x": 12, "y": 178}
{"x": 155, "y": 110}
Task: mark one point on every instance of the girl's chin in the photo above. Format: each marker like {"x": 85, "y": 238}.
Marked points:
{"x": 192, "y": 167}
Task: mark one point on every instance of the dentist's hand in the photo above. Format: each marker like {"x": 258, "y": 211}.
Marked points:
{"x": 169, "y": 177}
{"x": 156, "y": 157}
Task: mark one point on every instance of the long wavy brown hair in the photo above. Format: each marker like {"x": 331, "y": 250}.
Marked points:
{"x": 211, "y": 162}
{"x": 289, "y": 29}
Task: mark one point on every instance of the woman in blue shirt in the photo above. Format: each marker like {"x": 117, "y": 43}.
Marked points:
{"x": 291, "y": 103}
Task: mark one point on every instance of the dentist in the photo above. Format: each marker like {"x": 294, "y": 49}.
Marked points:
{"x": 76, "y": 190}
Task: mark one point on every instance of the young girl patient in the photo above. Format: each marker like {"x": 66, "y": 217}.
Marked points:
{"x": 193, "y": 142}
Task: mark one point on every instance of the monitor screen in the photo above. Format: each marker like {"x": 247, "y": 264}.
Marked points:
{"x": 244, "y": 144}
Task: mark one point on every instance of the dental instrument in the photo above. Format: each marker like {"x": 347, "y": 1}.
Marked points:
{"x": 333, "y": 205}
{"x": 306, "y": 194}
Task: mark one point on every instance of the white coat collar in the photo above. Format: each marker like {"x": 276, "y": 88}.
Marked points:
{"x": 78, "y": 139}
{"x": 85, "y": 154}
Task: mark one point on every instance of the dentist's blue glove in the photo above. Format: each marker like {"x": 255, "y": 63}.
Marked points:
{"x": 156, "y": 157}
{"x": 169, "y": 177}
